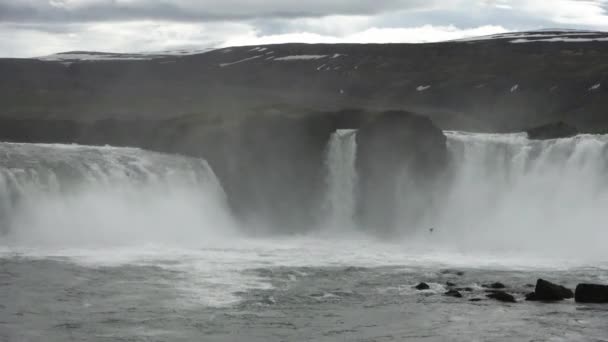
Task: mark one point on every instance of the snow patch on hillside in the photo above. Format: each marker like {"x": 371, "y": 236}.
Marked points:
{"x": 92, "y": 56}
{"x": 300, "y": 57}
{"x": 222, "y": 65}
{"x": 560, "y": 39}
{"x": 548, "y": 35}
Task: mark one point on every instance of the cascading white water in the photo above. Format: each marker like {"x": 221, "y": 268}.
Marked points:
{"x": 71, "y": 195}
{"x": 340, "y": 199}
{"x": 510, "y": 193}
{"x": 502, "y": 193}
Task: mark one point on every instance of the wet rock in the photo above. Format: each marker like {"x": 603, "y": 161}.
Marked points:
{"x": 475, "y": 300}
{"x": 591, "y": 293}
{"x": 422, "y": 286}
{"x": 552, "y": 131}
{"x": 531, "y": 296}
{"x": 450, "y": 284}
{"x": 496, "y": 285}
{"x": 547, "y": 291}
{"x": 454, "y": 272}
{"x": 268, "y": 301}
{"x": 502, "y": 296}
{"x": 453, "y": 293}
{"x": 465, "y": 289}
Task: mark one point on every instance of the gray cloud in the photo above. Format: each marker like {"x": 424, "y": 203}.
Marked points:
{"x": 190, "y": 10}
{"x": 36, "y": 27}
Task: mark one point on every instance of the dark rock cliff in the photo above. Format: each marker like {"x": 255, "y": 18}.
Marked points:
{"x": 272, "y": 165}
{"x": 397, "y": 153}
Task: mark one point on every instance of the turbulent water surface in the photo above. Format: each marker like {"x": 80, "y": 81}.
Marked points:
{"x": 114, "y": 244}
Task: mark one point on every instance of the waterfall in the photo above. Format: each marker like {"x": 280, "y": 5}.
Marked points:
{"x": 340, "y": 202}
{"x": 73, "y": 195}
{"x": 509, "y": 192}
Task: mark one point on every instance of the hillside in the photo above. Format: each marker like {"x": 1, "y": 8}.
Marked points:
{"x": 497, "y": 83}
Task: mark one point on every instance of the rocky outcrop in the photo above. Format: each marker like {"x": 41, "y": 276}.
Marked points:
{"x": 591, "y": 293}
{"x": 398, "y": 153}
{"x": 552, "y": 131}
{"x": 547, "y": 291}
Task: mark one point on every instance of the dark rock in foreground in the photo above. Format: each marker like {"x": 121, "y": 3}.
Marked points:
{"x": 453, "y": 293}
{"x": 552, "y": 131}
{"x": 547, "y": 291}
{"x": 422, "y": 286}
{"x": 591, "y": 293}
{"x": 502, "y": 296}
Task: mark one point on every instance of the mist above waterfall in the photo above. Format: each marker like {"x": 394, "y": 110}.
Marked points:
{"x": 501, "y": 193}
{"x": 506, "y": 192}
{"x": 78, "y": 196}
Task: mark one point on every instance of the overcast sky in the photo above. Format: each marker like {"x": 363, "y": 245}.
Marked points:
{"x": 40, "y": 27}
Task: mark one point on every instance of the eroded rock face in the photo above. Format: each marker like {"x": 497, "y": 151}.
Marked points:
{"x": 271, "y": 164}
{"x": 552, "y": 131}
{"x": 591, "y": 293}
{"x": 398, "y": 154}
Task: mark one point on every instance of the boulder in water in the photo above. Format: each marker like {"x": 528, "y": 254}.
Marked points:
{"x": 547, "y": 291}
{"x": 453, "y": 293}
{"x": 531, "y": 296}
{"x": 450, "y": 284}
{"x": 422, "y": 286}
{"x": 496, "y": 285}
{"x": 501, "y": 296}
{"x": 454, "y": 272}
{"x": 552, "y": 131}
{"x": 591, "y": 293}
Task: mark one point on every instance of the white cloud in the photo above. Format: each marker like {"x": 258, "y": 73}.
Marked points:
{"x": 117, "y": 25}
{"x": 423, "y": 34}
{"x": 155, "y": 36}
{"x": 571, "y": 12}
